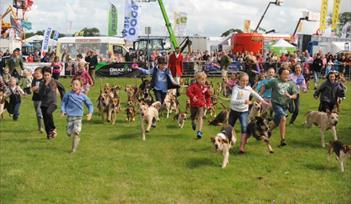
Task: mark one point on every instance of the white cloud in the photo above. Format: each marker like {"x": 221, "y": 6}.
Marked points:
{"x": 205, "y": 17}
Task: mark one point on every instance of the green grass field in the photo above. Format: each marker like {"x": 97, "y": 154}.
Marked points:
{"x": 113, "y": 164}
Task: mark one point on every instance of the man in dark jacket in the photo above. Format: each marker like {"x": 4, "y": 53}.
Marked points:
{"x": 92, "y": 59}
{"x": 15, "y": 64}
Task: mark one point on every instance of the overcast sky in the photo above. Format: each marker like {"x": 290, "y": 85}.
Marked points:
{"x": 205, "y": 17}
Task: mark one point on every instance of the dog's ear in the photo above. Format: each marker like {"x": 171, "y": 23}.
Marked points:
{"x": 213, "y": 139}
{"x": 225, "y": 141}
{"x": 328, "y": 111}
{"x": 157, "y": 105}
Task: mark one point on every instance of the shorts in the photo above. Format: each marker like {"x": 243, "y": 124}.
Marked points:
{"x": 243, "y": 119}
{"x": 196, "y": 112}
{"x": 74, "y": 125}
{"x": 279, "y": 112}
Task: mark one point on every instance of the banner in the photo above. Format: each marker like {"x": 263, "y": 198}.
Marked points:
{"x": 336, "y": 11}
{"x": 247, "y": 25}
{"x": 131, "y": 21}
{"x": 117, "y": 69}
{"x": 56, "y": 35}
{"x": 323, "y": 16}
{"x": 26, "y": 25}
{"x": 112, "y": 21}
{"x": 180, "y": 22}
{"x": 45, "y": 43}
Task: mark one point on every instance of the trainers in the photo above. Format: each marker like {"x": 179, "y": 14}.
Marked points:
{"x": 283, "y": 143}
{"x": 199, "y": 135}
{"x": 193, "y": 126}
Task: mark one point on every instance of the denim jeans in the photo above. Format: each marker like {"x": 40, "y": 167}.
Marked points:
{"x": 294, "y": 108}
{"x": 243, "y": 119}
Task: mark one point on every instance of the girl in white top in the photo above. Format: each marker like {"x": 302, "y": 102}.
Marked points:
{"x": 240, "y": 102}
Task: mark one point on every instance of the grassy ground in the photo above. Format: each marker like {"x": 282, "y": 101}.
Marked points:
{"x": 113, "y": 165}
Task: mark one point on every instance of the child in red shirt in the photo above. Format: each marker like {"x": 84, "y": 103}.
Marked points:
{"x": 200, "y": 98}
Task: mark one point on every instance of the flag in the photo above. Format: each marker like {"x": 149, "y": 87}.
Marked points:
{"x": 26, "y": 25}
{"x": 112, "y": 21}
{"x": 56, "y": 35}
{"x": 131, "y": 20}
{"x": 180, "y": 22}
{"x": 247, "y": 24}
{"x": 45, "y": 43}
{"x": 336, "y": 10}
{"x": 323, "y": 16}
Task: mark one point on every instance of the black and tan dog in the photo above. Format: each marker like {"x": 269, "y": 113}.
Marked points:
{"x": 221, "y": 118}
{"x": 224, "y": 141}
{"x": 259, "y": 129}
{"x": 131, "y": 113}
{"x": 341, "y": 151}
{"x": 113, "y": 108}
{"x": 103, "y": 104}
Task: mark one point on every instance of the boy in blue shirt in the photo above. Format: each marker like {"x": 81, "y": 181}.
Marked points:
{"x": 72, "y": 106}
{"x": 161, "y": 80}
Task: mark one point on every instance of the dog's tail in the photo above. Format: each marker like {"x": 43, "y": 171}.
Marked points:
{"x": 224, "y": 107}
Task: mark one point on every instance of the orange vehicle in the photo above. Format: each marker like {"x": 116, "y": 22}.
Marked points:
{"x": 254, "y": 42}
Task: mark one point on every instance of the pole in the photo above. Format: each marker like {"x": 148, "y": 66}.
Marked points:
{"x": 298, "y": 24}
{"x": 259, "y": 23}
{"x": 168, "y": 25}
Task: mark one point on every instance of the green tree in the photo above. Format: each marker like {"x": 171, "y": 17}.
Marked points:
{"x": 88, "y": 32}
{"x": 232, "y": 30}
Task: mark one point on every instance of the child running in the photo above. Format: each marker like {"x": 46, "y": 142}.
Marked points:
{"x": 240, "y": 102}
{"x": 14, "y": 92}
{"x": 48, "y": 97}
{"x": 38, "y": 79}
{"x": 200, "y": 98}
{"x": 72, "y": 107}
{"x": 283, "y": 91}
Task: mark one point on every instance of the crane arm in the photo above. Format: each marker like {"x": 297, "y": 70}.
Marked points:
{"x": 168, "y": 25}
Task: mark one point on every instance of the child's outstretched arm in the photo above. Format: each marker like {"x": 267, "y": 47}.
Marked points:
{"x": 90, "y": 107}
{"x": 63, "y": 105}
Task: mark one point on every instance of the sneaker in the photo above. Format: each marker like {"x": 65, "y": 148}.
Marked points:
{"x": 199, "y": 135}
{"x": 193, "y": 126}
{"x": 283, "y": 143}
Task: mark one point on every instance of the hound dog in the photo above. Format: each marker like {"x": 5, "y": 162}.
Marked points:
{"x": 131, "y": 113}
{"x": 103, "y": 105}
{"x": 3, "y": 104}
{"x": 113, "y": 108}
{"x": 224, "y": 141}
{"x": 148, "y": 114}
{"x": 324, "y": 121}
{"x": 341, "y": 151}
{"x": 171, "y": 103}
{"x": 221, "y": 118}
{"x": 181, "y": 117}
{"x": 258, "y": 127}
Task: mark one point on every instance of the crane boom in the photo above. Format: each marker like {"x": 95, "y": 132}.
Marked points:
{"x": 168, "y": 25}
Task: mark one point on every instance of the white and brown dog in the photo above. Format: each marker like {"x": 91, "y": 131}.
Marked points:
{"x": 181, "y": 117}
{"x": 224, "y": 141}
{"x": 171, "y": 103}
{"x": 148, "y": 114}
{"x": 324, "y": 121}
{"x": 342, "y": 152}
